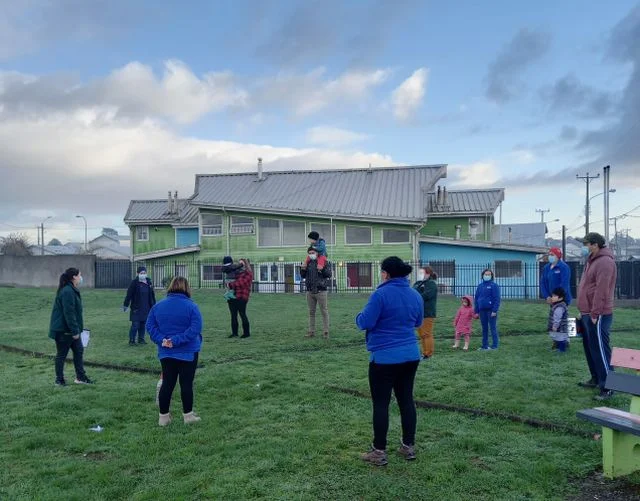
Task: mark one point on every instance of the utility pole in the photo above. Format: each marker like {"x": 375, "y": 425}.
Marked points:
{"x": 42, "y": 239}
{"x": 605, "y": 178}
{"x": 542, "y": 213}
{"x": 588, "y": 180}
{"x": 564, "y": 241}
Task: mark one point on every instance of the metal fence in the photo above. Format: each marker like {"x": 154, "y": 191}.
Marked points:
{"x": 517, "y": 280}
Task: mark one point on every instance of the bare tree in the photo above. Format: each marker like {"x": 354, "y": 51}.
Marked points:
{"x": 16, "y": 244}
{"x": 55, "y": 242}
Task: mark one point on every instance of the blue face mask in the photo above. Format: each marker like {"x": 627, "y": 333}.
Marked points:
{"x": 584, "y": 251}
{"x": 486, "y": 278}
{"x": 81, "y": 280}
{"x": 553, "y": 259}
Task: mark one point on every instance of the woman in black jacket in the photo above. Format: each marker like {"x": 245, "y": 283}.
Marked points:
{"x": 141, "y": 297}
{"x": 66, "y": 325}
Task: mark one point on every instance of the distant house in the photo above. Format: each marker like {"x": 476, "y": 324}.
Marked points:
{"x": 521, "y": 234}
{"x": 55, "y": 250}
{"x": 108, "y": 247}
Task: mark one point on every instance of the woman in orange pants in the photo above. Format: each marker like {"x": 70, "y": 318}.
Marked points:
{"x": 428, "y": 289}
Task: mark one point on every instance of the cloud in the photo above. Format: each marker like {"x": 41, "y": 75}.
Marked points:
{"x": 130, "y": 91}
{"x": 569, "y": 95}
{"x": 316, "y": 30}
{"x": 68, "y": 164}
{"x": 474, "y": 175}
{"x": 503, "y": 82}
{"x": 28, "y": 25}
{"x": 408, "y": 97}
{"x": 333, "y": 136}
{"x": 311, "y": 92}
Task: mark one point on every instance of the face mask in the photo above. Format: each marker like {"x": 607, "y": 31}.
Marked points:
{"x": 486, "y": 278}
{"x": 553, "y": 259}
{"x": 313, "y": 257}
{"x": 421, "y": 275}
{"x": 585, "y": 251}
{"x": 81, "y": 280}
{"x": 142, "y": 277}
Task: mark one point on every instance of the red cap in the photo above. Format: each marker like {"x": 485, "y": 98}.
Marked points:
{"x": 556, "y": 252}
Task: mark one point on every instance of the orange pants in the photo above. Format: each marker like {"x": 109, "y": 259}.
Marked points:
{"x": 425, "y": 332}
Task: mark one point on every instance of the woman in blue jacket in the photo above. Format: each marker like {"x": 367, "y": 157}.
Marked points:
{"x": 487, "y": 304}
{"x": 390, "y": 318}
{"x": 175, "y": 325}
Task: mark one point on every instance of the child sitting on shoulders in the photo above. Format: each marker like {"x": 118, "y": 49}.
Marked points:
{"x": 463, "y": 323}
{"x": 558, "y": 319}
{"x": 231, "y": 271}
{"x": 320, "y": 247}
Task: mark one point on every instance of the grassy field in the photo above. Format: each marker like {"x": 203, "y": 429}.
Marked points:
{"x": 274, "y": 425}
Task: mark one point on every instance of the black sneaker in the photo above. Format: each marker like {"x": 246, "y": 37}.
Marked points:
{"x": 604, "y": 395}
{"x": 61, "y": 382}
{"x": 84, "y": 380}
{"x": 132, "y": 343}
{"x": 233, "y": 335}
{"x": 142, "y": 341}
{"x": 244, "y": 336}
{"x": 592, "y": 383}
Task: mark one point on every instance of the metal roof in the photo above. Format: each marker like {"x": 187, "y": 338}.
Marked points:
{"x": 485, "y": 244}
{"x": 466, "y": 201}
{"x": 388, "y": 193}
{"x": 157, "y": 211}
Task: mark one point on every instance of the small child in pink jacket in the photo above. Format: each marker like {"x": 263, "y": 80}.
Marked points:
{"x": 463, "y": 322}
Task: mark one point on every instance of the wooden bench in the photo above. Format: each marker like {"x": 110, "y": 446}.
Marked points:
{"x": 620, "y": 429}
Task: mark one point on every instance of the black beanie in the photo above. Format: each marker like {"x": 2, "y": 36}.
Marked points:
{"x": 227, "y": 260}
{"x": 314, "y": 235}
{"x": 141, "y": 268}
{"x": 396, "y": 267}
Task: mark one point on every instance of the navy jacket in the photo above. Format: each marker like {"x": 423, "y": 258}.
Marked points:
{"x": 391, "y": 316}
{"x": 176, "y": 318}
{"x": 141, "y": 301}
{"x": 552, "y": 278}
{"x": 487, "y": 297}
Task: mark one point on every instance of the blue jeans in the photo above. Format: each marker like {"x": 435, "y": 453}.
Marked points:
{"x": 597, "y": 350}
{"x": 138, "y": 327}
{"x": 489, "y": 322}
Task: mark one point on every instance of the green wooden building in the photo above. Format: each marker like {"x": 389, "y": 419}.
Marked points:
{"x": 364, "y": 215}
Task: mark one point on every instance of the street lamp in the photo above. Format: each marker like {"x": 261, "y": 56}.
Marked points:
{"x": 85, "y": 232}
{"x": 42, "y": 233}
{"x": 587, "y": 209}
{"x": 612, "y": 190}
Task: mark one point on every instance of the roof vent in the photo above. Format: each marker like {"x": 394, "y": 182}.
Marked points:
{"x": 260, "y": 173}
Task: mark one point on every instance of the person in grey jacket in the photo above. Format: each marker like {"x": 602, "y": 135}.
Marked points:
{"x": 141, "y": 297}
{"x": 315, "y": 277}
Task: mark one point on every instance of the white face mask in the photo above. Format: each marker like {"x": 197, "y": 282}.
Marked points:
{"x": 313, "y": 257}
{"x": 421, "y": 275}
{"x": 142, "y": 277}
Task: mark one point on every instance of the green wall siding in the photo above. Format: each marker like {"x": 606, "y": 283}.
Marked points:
{"x": 160, "y": 238}
{"x": 446, "y": 227}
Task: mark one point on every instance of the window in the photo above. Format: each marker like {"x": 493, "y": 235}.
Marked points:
{"x": 475, "y": 228}
{"x": 268, "y": 233}
{"x": 357, "y": 235}
{"x": 211, "y": 225}
{"x": 293, "y": 233}
{"x": 182, "y": 270}
{"x": 323, "y": 231}
{"x": 142, "y": 233}
{"x": 264, "y": 272}
{"x": 241, "y": 225}
{"x": 444, "y": 269}
{"x": 508, "y": 269}
{"x": 359, "y": 275}
{"x": 158, "y": 275}
{"x": 211, "y": 272}
{"x": 395, "y": 236}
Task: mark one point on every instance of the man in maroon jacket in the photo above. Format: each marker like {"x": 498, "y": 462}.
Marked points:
{"x": 595, "y": 302}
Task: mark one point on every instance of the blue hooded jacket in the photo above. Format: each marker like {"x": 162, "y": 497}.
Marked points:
{"x": 176, "y": 318}
{"x": 487, "y": 297}
{"x": 555, "y": 277}
{"x": 390, "y": 318}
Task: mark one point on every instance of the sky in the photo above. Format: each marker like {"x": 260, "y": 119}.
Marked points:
{"x": 107, "y": 101}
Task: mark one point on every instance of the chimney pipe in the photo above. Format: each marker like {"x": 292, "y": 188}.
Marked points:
{"x": 458, "y": 228}
{"x": 170, "y": 204}
{"x": 439, "y": 197}
{"x": 175, "y": 203}
{"x": 445, "y": 196}
{"x": 260, "y": 175}
{"x": 509, "y": 234}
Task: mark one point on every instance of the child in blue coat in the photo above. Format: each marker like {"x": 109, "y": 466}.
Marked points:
{"x": 487, "y": 304}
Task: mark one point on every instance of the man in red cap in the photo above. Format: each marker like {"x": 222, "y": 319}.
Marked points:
{"x": 555, "y": 274}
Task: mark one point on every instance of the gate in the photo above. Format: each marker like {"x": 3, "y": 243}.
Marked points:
{"x": 113, "y": 273}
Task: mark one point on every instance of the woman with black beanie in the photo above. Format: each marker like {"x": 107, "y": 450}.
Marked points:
{"x": 390, "y": 318}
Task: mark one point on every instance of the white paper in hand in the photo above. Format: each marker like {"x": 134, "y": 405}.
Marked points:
{"x": 85, "y": 335}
